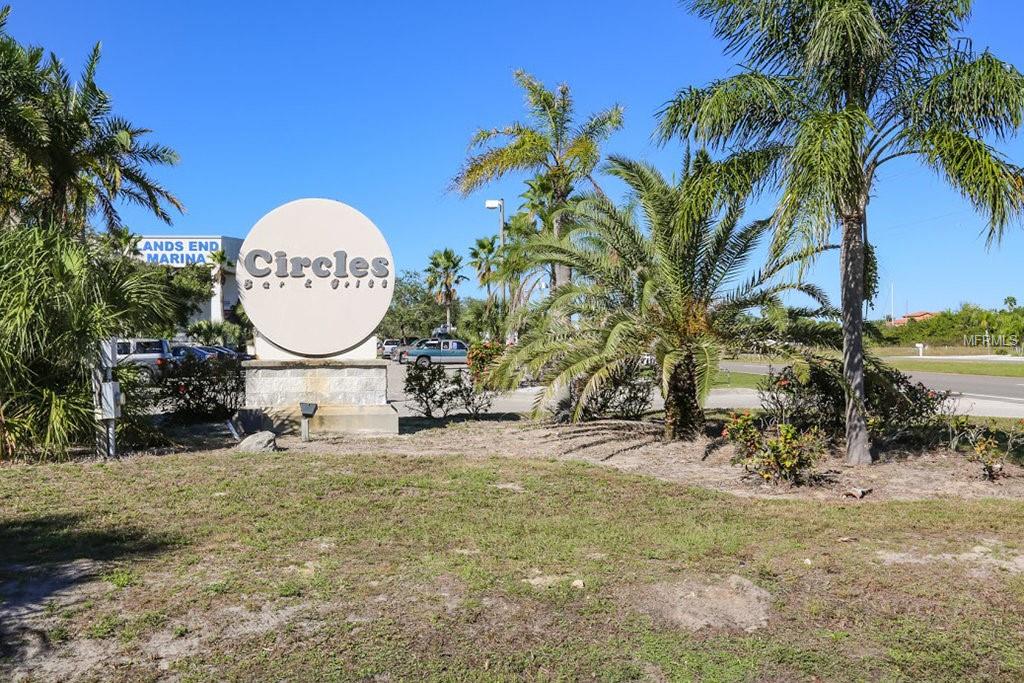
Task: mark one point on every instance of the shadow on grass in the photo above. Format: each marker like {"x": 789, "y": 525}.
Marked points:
{"x": 45, "y": 559}
{"x": 413, "y": 424}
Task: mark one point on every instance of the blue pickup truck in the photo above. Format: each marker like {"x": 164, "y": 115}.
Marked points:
{"x": 441, "y": 351}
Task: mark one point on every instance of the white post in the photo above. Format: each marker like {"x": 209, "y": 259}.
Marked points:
{"x": 107, "y": 399}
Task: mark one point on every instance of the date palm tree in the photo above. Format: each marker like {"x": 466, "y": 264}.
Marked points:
{"x": 483, "y": 257}
{"x": 833, "y": 90}
{"x": 550, "y": 145}
{"x": 660, "y": 281}
{"x": 443, "y": 277}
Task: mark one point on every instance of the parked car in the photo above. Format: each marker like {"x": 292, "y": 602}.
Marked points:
{"x": 399, "y": 351}
{"x": 387, "y": 346}
{"x": 217, "y": 352}
{"x": 439, "y": 351}
{"x": 228, "y": 352}
{"x": 152, "y": 355}
{"x": 180, "y": 353}
{"x": 403, "y": 351}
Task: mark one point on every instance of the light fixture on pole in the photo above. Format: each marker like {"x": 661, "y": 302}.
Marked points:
{"x": 500, "y": 205}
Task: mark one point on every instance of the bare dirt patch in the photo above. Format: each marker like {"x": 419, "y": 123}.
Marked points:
{"x": 637, "y": 448}
{"x": 983, "y": 559}
{"x": 732, "y": 603}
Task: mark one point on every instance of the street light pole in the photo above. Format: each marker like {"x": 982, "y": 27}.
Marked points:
{"x": 500, "y": 205}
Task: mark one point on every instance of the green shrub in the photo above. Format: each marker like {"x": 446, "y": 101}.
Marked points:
{"x": 196, "y": 389}
{"x": 430, "y": 390}
{"x": 899, "y": 411}
{"x": 987, "y": 444}
{"x": 436, "y": 393}
{"x": 780, "y": 452}
{"x": 470, "y": 394}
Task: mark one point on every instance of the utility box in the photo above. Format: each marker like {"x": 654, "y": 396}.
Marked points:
{"x": 111, "y": 400}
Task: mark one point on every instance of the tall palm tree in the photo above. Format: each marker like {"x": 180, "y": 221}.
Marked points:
{"x": 658, "y": 282}
{"x": 550, "y": 144}
{"x": 91, "y": 158}
{"x": 221, "y": 265}
{"x": 483, "y": 257}
{"x": 835, "y": 89}
{"x": 443, "y": 277}
{"x": 22, "y": 126}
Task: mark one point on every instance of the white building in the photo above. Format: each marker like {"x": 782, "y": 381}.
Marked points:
{"x": 178, "y": 251}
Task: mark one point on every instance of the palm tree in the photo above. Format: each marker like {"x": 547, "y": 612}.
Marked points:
{"x": 22, "y": 126}
{"x": 221, "y": 265}
{"x": 92, "y": 159}
{"x": 58, "y": 298}
{"x": 832, "y": 91}
{"x": 657, "y": 284}
{"x": 550, "y": 145}
{"x": 483, "y": 256}
{"x": 442, "y": 279}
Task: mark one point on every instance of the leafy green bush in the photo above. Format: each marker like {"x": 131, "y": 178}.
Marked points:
{"x": 987, "y": 444}
{"x": 471, "y": 395}
{"x": 900, "y": 411}
{"x": 780, "y": 452}
{"x": 436, "y": 393}
{"x": 430, "y": 390}
{"x": 195, "y": 389}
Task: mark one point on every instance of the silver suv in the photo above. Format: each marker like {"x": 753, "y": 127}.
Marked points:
{"x": 152, "y": 355}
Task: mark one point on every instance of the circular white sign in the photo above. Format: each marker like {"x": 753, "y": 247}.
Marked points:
{"x": 315, "y": 277}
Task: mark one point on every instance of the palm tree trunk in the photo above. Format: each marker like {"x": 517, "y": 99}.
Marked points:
{"x": 562, "y": 274}
{"x": 851, "y": 266}
{"x": 684, "y": 416}
{"x": 448, "y": 315}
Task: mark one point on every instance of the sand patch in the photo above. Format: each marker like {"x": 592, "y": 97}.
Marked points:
{"x": 732, "y": 602}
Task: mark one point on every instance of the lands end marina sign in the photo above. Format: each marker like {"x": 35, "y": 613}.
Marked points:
{"x": 315, "y": 277}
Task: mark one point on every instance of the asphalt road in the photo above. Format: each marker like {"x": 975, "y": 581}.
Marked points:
{"x": 978, "y": 394}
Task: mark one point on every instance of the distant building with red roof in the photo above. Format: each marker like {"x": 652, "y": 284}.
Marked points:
{"x": 917, "y": 316}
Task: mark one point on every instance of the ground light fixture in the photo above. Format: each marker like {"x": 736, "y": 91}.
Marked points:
{"x": 308, "y": 410}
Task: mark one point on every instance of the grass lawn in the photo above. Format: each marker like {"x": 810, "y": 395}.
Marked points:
{"x": 962, "y": 367}
{"x": 312, "y": 566}
{"x": 727, "y": 379}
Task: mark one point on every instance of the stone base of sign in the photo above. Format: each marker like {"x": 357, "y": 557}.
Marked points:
{"x": 351, "y": 395}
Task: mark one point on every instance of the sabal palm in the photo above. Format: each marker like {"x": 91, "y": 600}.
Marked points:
{"x": 443, "y": 278}
{"x": 483, "y": 257}
{"x": 550, "y": 144}
{"x": 833, "y": 90}
{"x": 91, "y": 158}
{"x": 660, "y": 279}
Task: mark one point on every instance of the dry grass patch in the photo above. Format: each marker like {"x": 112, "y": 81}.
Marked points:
{"x": 342, "y": 565}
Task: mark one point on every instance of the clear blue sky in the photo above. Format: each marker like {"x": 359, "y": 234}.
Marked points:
{"x": 372, "y": 103}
